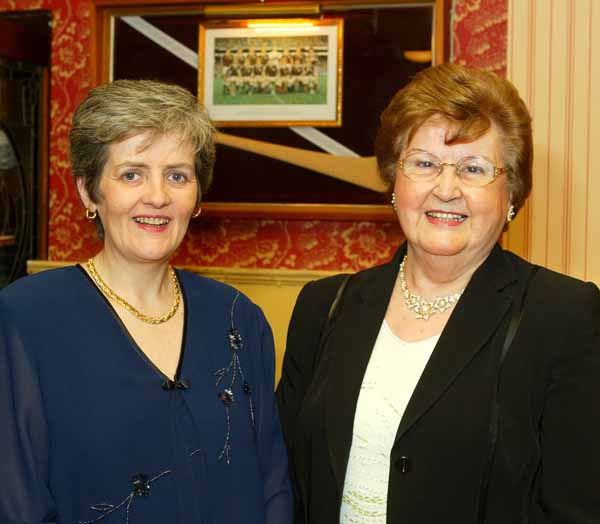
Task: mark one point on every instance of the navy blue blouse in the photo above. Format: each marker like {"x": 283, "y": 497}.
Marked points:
{"x": 91, "y": 431}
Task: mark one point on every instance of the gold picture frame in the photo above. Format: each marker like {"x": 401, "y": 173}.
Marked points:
{"x": 272, "y": 73}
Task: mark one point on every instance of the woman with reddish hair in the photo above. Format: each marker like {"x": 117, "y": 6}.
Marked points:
{"x": 457, "y": 383}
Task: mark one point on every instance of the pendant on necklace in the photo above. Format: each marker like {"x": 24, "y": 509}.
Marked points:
{"x": 422, "y": 307}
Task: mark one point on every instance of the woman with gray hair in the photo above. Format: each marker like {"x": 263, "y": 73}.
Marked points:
{"x": 131, "y": 392}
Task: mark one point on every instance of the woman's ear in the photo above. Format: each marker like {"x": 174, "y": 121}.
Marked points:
{"x": 83, "y": 194}
{"x": 199, "y": 194}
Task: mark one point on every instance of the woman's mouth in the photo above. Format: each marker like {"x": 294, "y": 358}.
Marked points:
{"x": 152, "y": 221}
{"x": 444, "y": 217}
{"x": 154, "y": 224}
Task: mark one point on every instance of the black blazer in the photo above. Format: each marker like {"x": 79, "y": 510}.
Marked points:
{"x": 545, "y": 465}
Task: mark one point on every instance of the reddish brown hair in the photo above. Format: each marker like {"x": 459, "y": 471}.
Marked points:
{"x": 473, "y": 100}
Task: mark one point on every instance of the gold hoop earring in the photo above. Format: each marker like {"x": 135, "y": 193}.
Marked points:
{"x": 393, "y": 202}
{"x": 511, "y": 213}
{"x": 196, "y": 214}
{"x": 91, "y": 214}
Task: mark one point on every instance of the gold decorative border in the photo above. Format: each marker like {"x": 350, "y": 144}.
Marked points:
{"x": 254, "y": 10}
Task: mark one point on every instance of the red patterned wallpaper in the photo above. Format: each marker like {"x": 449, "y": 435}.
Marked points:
{"x": 290, "y": 244}
{"x": 479, "y": 40}
{"x": 69, "y": 235}
{"x": 480, "y": 30}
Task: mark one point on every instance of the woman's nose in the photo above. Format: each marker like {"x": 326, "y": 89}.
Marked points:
{"x": 157, "y": 193}
{"x": 447, "y": 183}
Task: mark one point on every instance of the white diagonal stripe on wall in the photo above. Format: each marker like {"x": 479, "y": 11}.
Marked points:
{"x": 323, "y": 141}
{"x": 163, "y": 39}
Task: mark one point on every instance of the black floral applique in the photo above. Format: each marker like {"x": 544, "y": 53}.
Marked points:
{"x": 141, "y": 484}
{"x": 140, "y": 488}
{"x": 232, "y": 371}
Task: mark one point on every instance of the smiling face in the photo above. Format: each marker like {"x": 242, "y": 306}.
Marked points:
{"x": 444, "y": 217}
{"x": 148, "y": 192}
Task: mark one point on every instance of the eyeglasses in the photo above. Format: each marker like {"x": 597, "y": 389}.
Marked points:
{"x": 474, "y": 171}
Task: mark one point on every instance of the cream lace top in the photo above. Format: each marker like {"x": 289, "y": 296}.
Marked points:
{"x": 392, "y": 374}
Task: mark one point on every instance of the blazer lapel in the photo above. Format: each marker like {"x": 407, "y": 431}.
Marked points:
{"x": 480, "y": 310}
{"x": 350, "y": 343}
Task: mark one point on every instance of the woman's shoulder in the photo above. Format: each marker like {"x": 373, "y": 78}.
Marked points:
{"x": 198, "y": 288}
{"x": 42, "y": 296}
{"x": 317, "y": 296}
{"x": 552, "y": 283}
{"x": 324, "y": 289}
{"x": 36, "y": 287}
{"x": 563, "y": 305}
{"x": 195, "y": 283}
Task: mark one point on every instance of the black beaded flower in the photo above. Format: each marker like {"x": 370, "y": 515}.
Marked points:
{"x": 227, "y": 397}
{"x": 141, "y": 484}
{"x": 141, "y": 487}
{"x": 235, "y": 339}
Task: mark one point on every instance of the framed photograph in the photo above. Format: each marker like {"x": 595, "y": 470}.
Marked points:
{"x": 272, "y": 73}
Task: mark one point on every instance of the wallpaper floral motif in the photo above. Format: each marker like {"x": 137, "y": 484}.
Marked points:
{"x": 290, "y": 244}
{"x": 479, "y": 40}
{"x": 69, "y": 237}
{"x": 480, "y": 31}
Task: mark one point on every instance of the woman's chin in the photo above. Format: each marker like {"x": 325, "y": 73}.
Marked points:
{"x": 159, "y": 253}
{"x": 446, "y": 246}
{"x": 445, "y": 251}
{"x": 157, "y": 249}
{"x": 146, "y": 254}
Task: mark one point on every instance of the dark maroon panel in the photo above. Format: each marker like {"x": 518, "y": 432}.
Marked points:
{"x": 25, "y": 36}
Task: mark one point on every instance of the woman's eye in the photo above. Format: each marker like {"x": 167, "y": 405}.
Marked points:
{"x": 130, "y": 176}
{"x": 474, "y": 169}
{"x": 178, "y": 178}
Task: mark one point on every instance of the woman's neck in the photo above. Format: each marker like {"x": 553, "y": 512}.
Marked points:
{"x": 432, "y": 276}
{"x": 145, "y": 284}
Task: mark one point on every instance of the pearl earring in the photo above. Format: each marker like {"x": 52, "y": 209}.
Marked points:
{"x": 393, "y": 201}
{"x": 511, "y": 213}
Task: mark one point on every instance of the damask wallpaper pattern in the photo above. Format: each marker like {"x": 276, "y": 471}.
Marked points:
{"x": 480, "y": 30}
{"x": 479, "y": 39}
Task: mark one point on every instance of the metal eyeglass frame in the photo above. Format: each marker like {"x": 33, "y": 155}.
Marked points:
{"x": 440, "y": 168}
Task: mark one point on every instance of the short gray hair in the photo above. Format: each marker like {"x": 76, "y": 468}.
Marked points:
{"x": 125, "y": 108}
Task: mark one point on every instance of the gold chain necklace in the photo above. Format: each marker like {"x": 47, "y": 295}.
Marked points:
{"x": 425, "y": 308}
{"x": 122, "y": 302}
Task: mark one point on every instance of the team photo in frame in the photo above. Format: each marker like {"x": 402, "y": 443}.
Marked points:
{"x": 272, "y": 72}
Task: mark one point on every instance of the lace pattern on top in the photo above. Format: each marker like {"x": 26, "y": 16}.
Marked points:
{"x": 392, "y": 374}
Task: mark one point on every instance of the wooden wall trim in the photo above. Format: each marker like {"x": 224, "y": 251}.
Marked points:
{"x": 354, "y": 212}
{"x": 267, "y": 277}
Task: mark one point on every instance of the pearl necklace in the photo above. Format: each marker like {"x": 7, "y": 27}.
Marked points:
{"x": 425, "y": 308}
{"x": 122, "y": 302}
